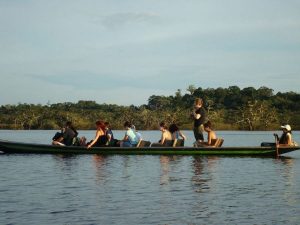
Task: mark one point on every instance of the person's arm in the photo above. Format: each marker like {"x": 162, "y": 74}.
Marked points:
{"x": 126, "y": 137}
{"x": 163, "y": 138}
{"x": 196, "y": 116}
{"x": 182, "y": 135}
{"x": 209, "y": 139}
{"x": 289, "y": 139}
{"x": 95, "y": 140}
{"x": 109, "y": 136}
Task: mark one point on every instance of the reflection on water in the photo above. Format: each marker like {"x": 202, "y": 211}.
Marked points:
{"x": 164, "y": 162}
{"x": 96, "y": 189}
{"x": 65, "y": 162}
{"x": 99, "y": 162}
{"x": 203, "y": 169}
{"x": 285, "y": 172}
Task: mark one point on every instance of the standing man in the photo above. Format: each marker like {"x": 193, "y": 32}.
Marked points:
{"x": 199, "y": 116}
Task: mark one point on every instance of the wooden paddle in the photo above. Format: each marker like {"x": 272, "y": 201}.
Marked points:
{"x": 276, "y": 145}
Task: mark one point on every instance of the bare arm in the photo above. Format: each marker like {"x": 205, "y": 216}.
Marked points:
{"x": 289, "y": 136}
{"x": 98, "y": 133}
{"x": 108, "y": 137}
{"x": 196, "y": 116}
{"x": 182, "y": 135}
{"x": 209, "y": 138}
{"x": 163, "y": 138}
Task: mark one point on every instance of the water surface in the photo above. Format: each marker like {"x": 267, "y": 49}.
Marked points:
{"x": 95, "y": 189}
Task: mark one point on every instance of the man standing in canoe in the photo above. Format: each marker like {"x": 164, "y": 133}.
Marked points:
{"x": 199, "y": 117}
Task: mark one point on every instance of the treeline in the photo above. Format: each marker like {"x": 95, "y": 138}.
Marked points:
{"x": 229, "y": 108}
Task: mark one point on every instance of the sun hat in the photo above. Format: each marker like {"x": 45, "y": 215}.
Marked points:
{"x": 287, "y": 127}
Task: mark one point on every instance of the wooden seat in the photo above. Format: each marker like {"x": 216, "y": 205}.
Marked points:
{"x": 178, "y": 143}
{"x": 218, "y": 142}
{"x": 168, "y": 143}
{"x": 143, "y": 143}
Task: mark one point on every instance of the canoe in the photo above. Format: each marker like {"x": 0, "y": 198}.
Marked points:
{"x": 33, "y": 148}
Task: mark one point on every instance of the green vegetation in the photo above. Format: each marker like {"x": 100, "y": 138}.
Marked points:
{"x": 229, "y": 108}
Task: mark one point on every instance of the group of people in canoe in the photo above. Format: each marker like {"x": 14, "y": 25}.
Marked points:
{"x": 104, "y": 135}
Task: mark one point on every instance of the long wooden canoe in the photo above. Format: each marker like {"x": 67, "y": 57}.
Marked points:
{"x": 18, "y": 147}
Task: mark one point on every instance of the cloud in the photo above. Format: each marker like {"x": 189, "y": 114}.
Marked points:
{"x": 122, "y": 20}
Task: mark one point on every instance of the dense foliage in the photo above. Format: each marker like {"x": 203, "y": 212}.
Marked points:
{"x": 228, "y": 108}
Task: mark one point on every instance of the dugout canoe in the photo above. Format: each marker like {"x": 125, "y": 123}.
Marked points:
{"x": 33, "y": 148}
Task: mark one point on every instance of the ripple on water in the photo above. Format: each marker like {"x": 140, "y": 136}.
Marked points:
{"x": 46, "y": 189}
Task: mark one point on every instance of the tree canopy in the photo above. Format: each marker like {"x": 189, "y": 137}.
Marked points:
{"x": 228, "y": 108}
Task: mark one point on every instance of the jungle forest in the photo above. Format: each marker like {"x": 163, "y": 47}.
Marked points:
{"x": 229, "y": 108}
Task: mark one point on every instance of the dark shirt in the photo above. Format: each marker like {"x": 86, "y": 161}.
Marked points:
{"x": 202, "y": 119}
{"x": 109, "y": 131}
{"x": 57, "y": 136}
{"x": 101, "y": 141}
{"x": 69, "y": 134}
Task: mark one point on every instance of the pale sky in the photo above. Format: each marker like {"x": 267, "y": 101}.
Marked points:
{"x": 124, "y": 51}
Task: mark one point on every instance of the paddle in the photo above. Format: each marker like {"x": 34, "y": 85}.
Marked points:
{"x": 276, "y": 144}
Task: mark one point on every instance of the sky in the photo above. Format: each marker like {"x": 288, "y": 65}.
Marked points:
{"x": 122, "y": 52}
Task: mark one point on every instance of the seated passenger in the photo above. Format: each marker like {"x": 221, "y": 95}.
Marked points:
{"x": 111, "y": 141}
{"x": 286, "y": 137}
{"x": 58, "y": 138}
{"x": 176, "y": 133}
{"x": 211, "y": 136}
{"x": 166, "y": 136}
{"x": 69, "y": 134}
{"x": 138, "y": 134}
{"x": 100, "y": 137}
{"x": 130, "y": 139}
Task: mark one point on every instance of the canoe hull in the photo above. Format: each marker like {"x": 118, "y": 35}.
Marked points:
{"x": 22, "y": 148}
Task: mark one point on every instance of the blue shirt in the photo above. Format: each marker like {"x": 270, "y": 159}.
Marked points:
{"x": 133, "y": 139}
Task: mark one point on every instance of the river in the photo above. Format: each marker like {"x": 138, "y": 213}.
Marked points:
{"x": 95, "y": 189}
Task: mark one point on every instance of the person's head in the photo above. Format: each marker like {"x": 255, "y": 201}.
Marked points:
{"x": 198, "y": 103}
{"x": 207, "y": 126}
{"x": 107, "y": 125}
{"x": 173, "y": 128}
{"x": 100, "y": 125}
{"x": 286, "y": 128}
{"x": 68, "y": 124}
{"x": 127, "y": 125}
{"x": 133, "y": 127}
{"x": 163, "y": 126}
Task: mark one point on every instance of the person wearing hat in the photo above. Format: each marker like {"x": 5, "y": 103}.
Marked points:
{"x": 286, "y": 137}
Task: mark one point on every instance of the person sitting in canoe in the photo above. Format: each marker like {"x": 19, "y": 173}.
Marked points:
{"x": 176, "y": 133}
{"x": 138, "y": 134}
{"x": 130, "y": 139}
{"x": 166, "y": 136}
{"x": 286, "y": 137}
{"x": 58, "y": 138}
{"x": 211, "y": 136}
{"x": 100, "y": 137}
{"x": 111, "y": 141}
{"x": 67, "y": 136}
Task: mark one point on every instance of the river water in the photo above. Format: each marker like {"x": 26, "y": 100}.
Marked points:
{"x": 95, "y": 189}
